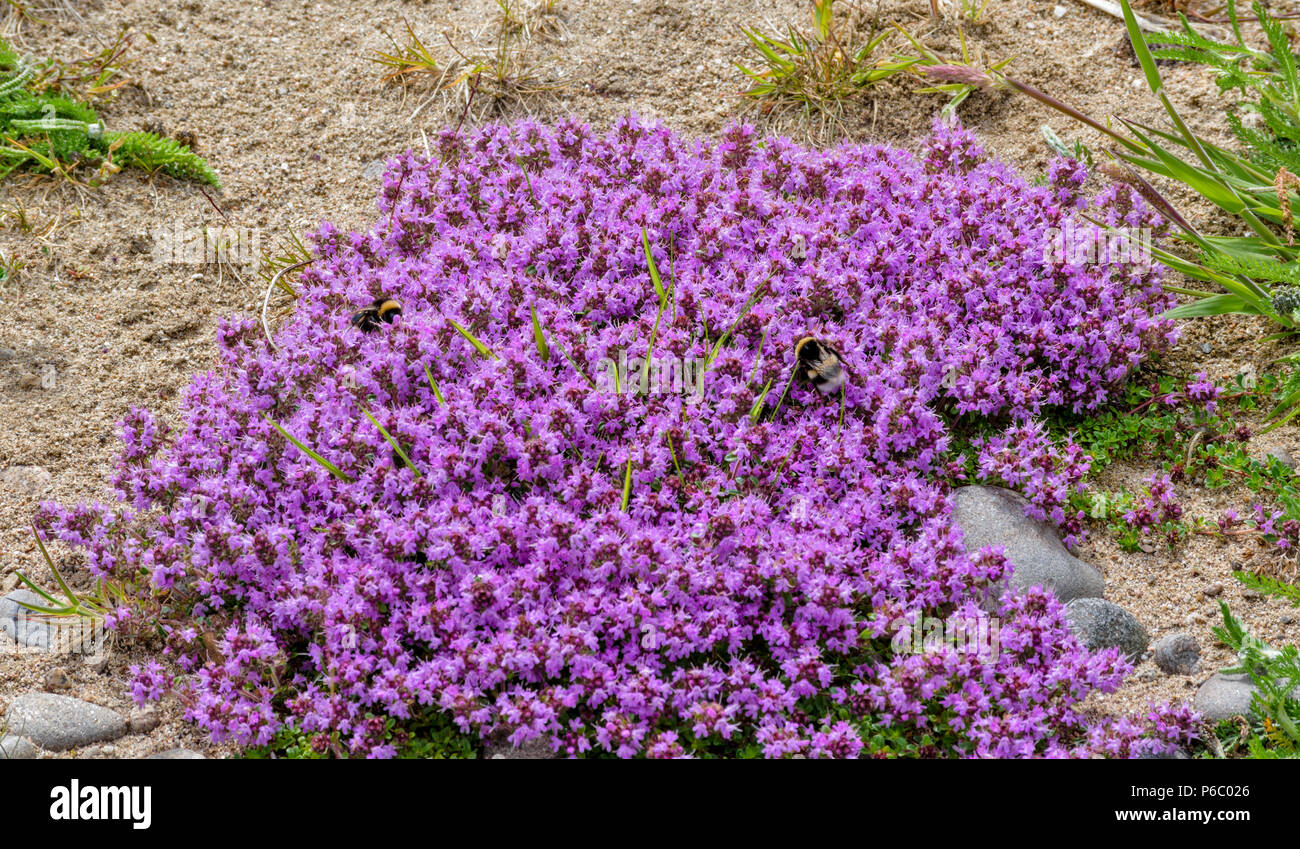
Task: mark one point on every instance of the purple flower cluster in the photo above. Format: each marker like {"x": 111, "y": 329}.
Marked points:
{"x": 1158, "y": 509}
{"x": 655, "y": 573}
{"x": 1025, "y": 458}
{"x": 1203, "y": 391}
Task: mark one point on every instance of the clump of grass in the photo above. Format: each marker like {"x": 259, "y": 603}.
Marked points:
{"x": 94, "y": 75}
{"x": 816, "y": 72}
{"x": 819, "y": 72}
{"x": 499, "y": 73}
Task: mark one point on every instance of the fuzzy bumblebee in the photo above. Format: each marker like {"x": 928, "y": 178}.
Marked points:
{"x": 382, "y": 311}
{"x": 819, "y": 364}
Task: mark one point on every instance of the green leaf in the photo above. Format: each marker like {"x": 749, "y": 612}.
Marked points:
{"x": 539, "y": 337}
{"x": 393, "y": 442}
{"x": 325, "y": 464}
{"x": 482, "y": 349}
{"x": 1215, "y": 305}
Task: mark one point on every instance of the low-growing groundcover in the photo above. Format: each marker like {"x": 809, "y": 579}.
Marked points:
{"x": 711, "y": 568}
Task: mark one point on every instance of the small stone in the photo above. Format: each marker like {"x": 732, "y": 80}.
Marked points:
{"x": 1288, "y": 619}
{"x": 28, "y": 381}
{"x": 1101, "y": 624}
{"x": 1205, "y": 347}
{"x": 89, "y": 752}
{"x": 15, "y": 748}
{"x": 60, "y": 722}
{"x": 17, "y": 621}
{"x": 1058, "y": 11}
{"x": 31, "y": 480}
{"x": 1224, "y": 696}
{"x": 57, "y": 679}
{"x": 96, "y": 663}
{"x": 49, "y": 377}
{"x": 1282, "y": 455}
{"x": 1251, "y": 595}
{"x": 534, "y": 750}
{"x": 991, "y": 515}
{"x": 108, "y": 751}
{"x": 178, "y": 755}
{"x": 142, "y": 720}
{"x": 1177, "y": 654}
{"x": 1214, "y": 591}
{"x": 374, "y": 168}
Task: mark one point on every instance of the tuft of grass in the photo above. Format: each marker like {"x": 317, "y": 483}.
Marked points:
{"x": 817, "y": 71}
{"x": 499, "y": 73}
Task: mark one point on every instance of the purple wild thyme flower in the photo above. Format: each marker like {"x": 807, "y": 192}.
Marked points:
{"x": 666, "y": 571}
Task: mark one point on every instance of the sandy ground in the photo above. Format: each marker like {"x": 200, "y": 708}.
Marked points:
{"x": 289, "y": 109}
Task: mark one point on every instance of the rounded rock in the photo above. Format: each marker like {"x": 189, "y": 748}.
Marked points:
{"x": 1177, "y": 654}
{"x": 1101, "y": 624}
{"x": 992, "y": 515}
{"x": 60, "y": 722}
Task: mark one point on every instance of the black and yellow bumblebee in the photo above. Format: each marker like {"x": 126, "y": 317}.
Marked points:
{"x": 819, "y": 364}
{"x": 382, "y": 311}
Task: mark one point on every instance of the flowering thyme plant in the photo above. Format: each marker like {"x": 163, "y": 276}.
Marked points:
{"x": 480, "y": 534}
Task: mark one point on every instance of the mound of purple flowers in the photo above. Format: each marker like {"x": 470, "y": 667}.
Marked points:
{"x": 531, "y": 530}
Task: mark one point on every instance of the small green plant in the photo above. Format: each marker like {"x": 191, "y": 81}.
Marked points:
{"x": 49, "y": 133}
{"x": 1275, "y": 674}
{"x": 505, "y": 74}
{"x": 409, "y": 61}
{"x": 974, "y": 11}
{"x": 10, "y": 267}
{"x": 1252, "y": 274}
{"x": 94, "y": 75}
{"x": 816, "y": 72}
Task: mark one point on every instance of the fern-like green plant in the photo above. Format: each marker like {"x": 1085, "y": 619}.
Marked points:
{"x": 49, "y": 133}
{"x": 1268, "y": 585}
{"x": 1275, "y": 674}
{"x": 152, "y": 152}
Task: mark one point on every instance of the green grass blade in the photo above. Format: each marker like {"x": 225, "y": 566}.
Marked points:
{"x": 627, "y": 485}
{"x": 433, "y": 384}
{"x": 757, "y": 410}
{"x": 393, "y": 442}
{"x": 654, "y": 269}
{"x": 321, "y": 461}
{"x": 539, "y": 337}
{"x": 473, "y": 340}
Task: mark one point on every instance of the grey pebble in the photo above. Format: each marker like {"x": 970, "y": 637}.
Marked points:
{"x": 991, "y": 515}
{"x": 60, "y": 722}
{"x": 1177, "y": 654}
{"x": 15, "y": 748}
{"x": 178, "y": 755}
{"x": 1101, "y": 624}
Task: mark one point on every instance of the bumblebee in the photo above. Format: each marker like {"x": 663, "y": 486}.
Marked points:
{"x": 819, "y": 364}
{"x": 382, "y": 311}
